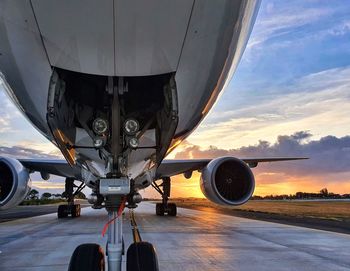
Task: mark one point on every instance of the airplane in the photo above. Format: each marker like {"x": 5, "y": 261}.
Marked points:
{"x": 117, "y": 85}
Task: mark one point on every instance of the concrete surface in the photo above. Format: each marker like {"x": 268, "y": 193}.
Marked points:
{"x": 33, "y": 210}
{"x": 194, "y": 240}
{"x": 26, "y": 211}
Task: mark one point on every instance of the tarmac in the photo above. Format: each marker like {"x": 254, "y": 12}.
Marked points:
{"x": 194, "y": 240}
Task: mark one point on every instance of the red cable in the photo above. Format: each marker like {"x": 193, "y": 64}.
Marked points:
{"x": 120, "y": 210}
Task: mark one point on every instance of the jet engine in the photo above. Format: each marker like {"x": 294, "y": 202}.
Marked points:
{"x": 14, "y": 182}
{"x": 227, "y": 181}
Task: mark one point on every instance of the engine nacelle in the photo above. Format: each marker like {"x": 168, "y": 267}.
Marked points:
{"x": 227, "y": 181}
{"x": 14, "y": 182}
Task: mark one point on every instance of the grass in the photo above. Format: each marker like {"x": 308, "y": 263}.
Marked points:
{"x": 332, "y": 210}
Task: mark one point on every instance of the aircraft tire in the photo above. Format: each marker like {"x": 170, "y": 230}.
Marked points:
{"x": 76, "y": 210}
{"x": 87, "y": 257}
{"x": 62, "y": 211}
{"x": 160, "y": 209}
{"x": 172, "y": 209}
{"x": 141, "y": 256}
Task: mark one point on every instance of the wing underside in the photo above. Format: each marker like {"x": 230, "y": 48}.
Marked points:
{"x": 167, "y": 168}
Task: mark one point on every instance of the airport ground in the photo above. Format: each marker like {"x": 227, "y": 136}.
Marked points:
{"x": 194, "y": 240}
{"x": 33, "y": 210}
{"x": 325, "y": 215}
{"x": 330, "y": 215}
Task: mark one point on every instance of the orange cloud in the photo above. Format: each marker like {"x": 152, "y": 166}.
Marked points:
{"x": 328, "y": 166}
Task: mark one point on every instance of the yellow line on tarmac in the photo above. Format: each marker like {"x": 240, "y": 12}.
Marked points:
{"x": 135, "y": 230}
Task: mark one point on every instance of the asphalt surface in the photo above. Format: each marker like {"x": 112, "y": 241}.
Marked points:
{"x": 26, "y": 211}
{"x": 194, "y": 240}
{"x": 342, "y": 226}
{"x": 33, "y": 210}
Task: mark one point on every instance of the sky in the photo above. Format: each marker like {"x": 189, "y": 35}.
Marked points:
{"x": 290, "y": 96}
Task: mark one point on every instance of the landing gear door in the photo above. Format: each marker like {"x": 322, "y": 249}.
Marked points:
{"x": 60, "y": 117}
{"x": 167, "y": 120}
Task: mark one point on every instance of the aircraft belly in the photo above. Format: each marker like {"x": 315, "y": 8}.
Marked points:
{"x": 216, "y": 37}
{"x": 149, "y": 35}
{"x": 201, "y": 41}
{"x": 78, "y": 35}
{"x": 121, "y": 38}
{"x": 23, "y": 61}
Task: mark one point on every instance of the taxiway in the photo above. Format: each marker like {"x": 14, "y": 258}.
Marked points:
{"x": 194, "y": 240}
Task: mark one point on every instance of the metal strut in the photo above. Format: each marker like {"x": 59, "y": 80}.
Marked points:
{"x": 165, "y": 192}
{"x": 115, "y": 242}
{"x": 115, "y": 229}
{"x": 79, "y": 189}
{"x": 69, "y": 189}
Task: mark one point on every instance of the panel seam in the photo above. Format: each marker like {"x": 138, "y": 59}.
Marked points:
{"x": 114, "y": 41}
{"x": 183, "y": 43}
{"x": 41, "y": 37}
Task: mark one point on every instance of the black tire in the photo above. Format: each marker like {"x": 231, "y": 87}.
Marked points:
{"x": 172, "y": 209}
{"x": 62, "y": 211}
{"x": 87, "y": 257}
{"x": 141, "y": 256}
{"x": 75, "y": 210}
{"x": 160, "y": 210}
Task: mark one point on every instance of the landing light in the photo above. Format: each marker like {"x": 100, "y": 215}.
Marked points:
{"x": 98, "y": 142}
{"x": 131, "y": 126}
{"x": 100, "y": 126}
{"x": 133, "y": 142}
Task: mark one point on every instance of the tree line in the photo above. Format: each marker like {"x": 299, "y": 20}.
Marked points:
{"x": 322, "y": 194}
{"x": 34, "y": 195}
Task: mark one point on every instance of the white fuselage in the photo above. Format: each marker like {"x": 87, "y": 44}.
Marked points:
{"x": 200, "y": 41}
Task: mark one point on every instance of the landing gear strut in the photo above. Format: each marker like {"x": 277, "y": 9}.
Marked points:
{"x": 115, "y": 241}
{"x": 116, "y": 188}
{"x": 71, "y": 208}
{"x": 164, "y": 190}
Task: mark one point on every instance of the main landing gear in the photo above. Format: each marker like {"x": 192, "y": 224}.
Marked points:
{"x": 164, "y": 190}
{"x": 70, "y": 208}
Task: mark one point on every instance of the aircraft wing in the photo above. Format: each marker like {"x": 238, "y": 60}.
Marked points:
{"x": 55, "y": 167}
{"x": 167, "y": 168}
{"x": 170, "y": 168}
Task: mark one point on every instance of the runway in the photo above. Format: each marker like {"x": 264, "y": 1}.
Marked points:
{"x": 194, "y": 240}
{"x": 33, "y": 210}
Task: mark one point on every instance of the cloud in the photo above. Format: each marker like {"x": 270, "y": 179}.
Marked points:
{"x": 20, "y": 151}
{"x": 311, "y": 102}
{"x": 328, "y": 166}
{"x": 278, "y": 21}
{"x": 341, "y": 29}
{"x": 31, "y": 150}
{"x": 328, "y": 155}
{"x": 14, "y": 127}
{"x": 7, "y": 112}
{"x": 44, "y": 185}
{"x": 296, "y": 26}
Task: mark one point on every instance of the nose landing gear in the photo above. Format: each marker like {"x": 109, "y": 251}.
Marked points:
{"x": 87, "y": 257}
{"x": 141, "y": 255}
{"x": 115, "y": 189}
